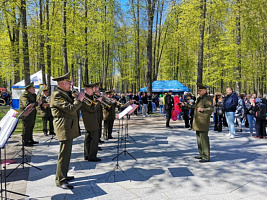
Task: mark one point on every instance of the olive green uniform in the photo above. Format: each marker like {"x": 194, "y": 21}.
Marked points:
{"x": 46, "y": 116}
{"x": 28, "y": 122}
{"x": 108, "y": 117}
{"x": 91, "y": 123}
{"x": 201, "y": 123}
{"x": 66, "y": 126}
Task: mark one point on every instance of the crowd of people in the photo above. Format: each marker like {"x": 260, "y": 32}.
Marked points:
{"x": 61, "y": 111}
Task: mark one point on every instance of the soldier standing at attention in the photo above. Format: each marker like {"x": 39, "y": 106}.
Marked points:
{"x": 109, "y": 117}
{"x": 46, "y": 113}
{"x": 90, "y": 120}
{"x": 66, "y": 125}
{"x": 28, "y": 97}
{"x": 202, "y": 111}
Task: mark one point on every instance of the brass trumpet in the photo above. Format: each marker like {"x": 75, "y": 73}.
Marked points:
{"x": 105, "y": 104}
{"x": 86, "y": 100}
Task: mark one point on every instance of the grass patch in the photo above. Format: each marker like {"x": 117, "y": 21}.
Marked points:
{"x": 38, "y": 127}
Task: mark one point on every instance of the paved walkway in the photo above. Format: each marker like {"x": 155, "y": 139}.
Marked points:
{"x": 165, "y": 167}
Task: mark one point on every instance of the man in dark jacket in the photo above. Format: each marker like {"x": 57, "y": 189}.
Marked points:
{"x": 168, "y": 107}
{"x": 229, "y": 106}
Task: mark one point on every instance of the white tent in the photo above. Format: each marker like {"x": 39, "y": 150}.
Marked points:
{"x": 19, "y": 87}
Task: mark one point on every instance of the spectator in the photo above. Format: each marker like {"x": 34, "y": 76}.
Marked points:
{"x": 249, "y": 104}
{"x": 229, "y": 105}
{"x": 161, "y": 106}
{"x": 260, "y": 112}
{"x": 168, "y": 108}
{"x": 218, "y": 111}
{"x": 240, "y": 111}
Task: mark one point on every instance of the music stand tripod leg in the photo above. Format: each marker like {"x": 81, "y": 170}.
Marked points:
{"x": 5, "y": 190}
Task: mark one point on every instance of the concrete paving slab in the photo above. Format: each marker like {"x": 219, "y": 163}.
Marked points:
{"x": 165, "y": 167}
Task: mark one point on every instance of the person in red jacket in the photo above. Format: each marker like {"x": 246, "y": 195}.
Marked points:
{"x": 176, "y": 103}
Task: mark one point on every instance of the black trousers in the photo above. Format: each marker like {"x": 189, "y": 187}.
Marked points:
{"x": 260, "y": 127}
{"x": 218, "y": 122}
{"x": 168, "y": 116}
{"x": 186, "y": 118}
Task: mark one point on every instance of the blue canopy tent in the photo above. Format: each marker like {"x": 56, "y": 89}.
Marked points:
{"x": 165, "y": 86}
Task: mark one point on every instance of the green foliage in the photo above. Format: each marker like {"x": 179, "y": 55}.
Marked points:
{"x": 112, "y": 41}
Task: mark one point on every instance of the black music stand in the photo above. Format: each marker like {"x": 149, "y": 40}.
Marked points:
{"x": 24, "y": 113}
{"x": 117, "y": 166}
{"x": 8, "y": 128}
{"x": 129, "y": 110}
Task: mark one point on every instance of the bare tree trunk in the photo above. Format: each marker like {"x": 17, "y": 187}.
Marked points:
{"x": 13, "y": 33}
{"x": 41, "y": 59}
{"x": 104, "y": 52}
{"x": 64, "y": 33}
{"x": 86, "y": 44}
{"x": 150, "y": 12}
{"x": 201, "y": 41}
{"x": 48, "y": 47}
{"x": 238, "y": 54}
{"x": 25, "y": 49}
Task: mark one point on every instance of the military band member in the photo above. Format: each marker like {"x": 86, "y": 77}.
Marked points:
{"x": 109, "y": 117}
{"x": 96, "y": 90}
{"x": 46, "y": 113}
{"x": 91, "y": 123}
{"x": 201, "y": 122}
{"x": 28, "y": 97}
{"x": 64, "y": 109}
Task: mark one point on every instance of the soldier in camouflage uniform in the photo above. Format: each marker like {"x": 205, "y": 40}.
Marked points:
{"x": 65, "y": 109}
{"x": 28, "y": 97}
{"x": 201, "y": 122}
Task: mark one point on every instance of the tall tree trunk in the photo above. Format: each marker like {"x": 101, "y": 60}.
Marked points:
{"x": 104, "y": 50}
{"x": 150, "y": 12}
{"x": 13, "y": 33}
{"x": 201, "y": 41}
{"x": 41, "y": 59}
{"x": 86, "y": 43}
{"x": 48, "y": 47}
{"x": 238, "y": 53}
{"x": 138, "y": 47}
{"x": 64, "y": 33}
{"x": 25, "y": 49}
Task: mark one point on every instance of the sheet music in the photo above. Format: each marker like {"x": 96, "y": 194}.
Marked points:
{"x": 7, "y": 125}
{"x": 124, "y": 112}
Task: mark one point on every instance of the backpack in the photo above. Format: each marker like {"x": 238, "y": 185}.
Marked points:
{"x": 261, "y": 111}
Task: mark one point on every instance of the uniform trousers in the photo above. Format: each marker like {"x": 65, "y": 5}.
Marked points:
{"x": 100, "y": 129}
{"x": 108, "y": 126}
{"x": 91, "y": 144}
{"x": 203, "y": 144}
{"x": 28, "y": 126}
{"x": 63, "y": 161}
{"x": 51, "y": 127}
